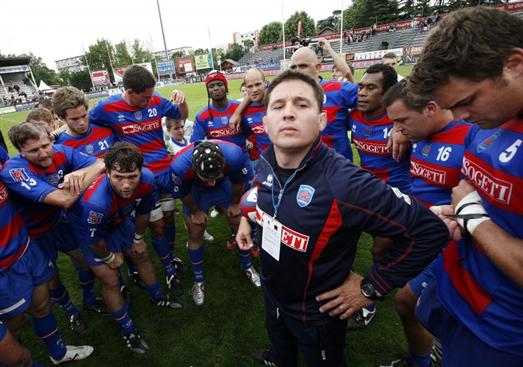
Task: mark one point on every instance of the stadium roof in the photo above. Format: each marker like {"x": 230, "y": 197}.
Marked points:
{"x": 15, "y": 61}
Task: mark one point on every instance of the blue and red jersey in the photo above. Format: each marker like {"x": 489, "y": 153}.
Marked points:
{"x": 140, "y": 126}
{"x": 31, "y": 184}
{"x": 370, "y": 138}
{"x": 100, "y": 209}
{"x": 339, "y": 98}
{"x": 13, "y": 234}
{"x": 236, "y": 168}
{"x": 95, "y": 142}
{"x": 435, "y": 164}
{"x": 213, "y": 123}
{"x": 252, "y": 123}
{"x": 470, "y": 285}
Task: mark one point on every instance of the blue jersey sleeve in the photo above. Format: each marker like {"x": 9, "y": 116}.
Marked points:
{"x": 97, "y": 115}
{"x": 148, "y": 201}
{"x": 350, "y": 95}
{"x": 236, "y": 164}
{"x": 25, "y": 182}
{"x": 3, "y": 155}
{"x": 198, "y": 131}
{"x": 181, "y": 186}
{"x": 170, "y": 109}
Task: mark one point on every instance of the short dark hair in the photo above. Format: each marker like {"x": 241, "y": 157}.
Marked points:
{"x": 40, "y": 114}
{"x": 21, "y": 133}
{"x": 293, "y": 75}
{"x": 169, "y": 122}
{"x": 390, "y": 55}
{"x": 123, "y": 157}
{"x": 399, "y": 91}
{"x": 471, "y": 44}
{"x": 68, "y": 97}
{"x": 390, "y": 77}
{"x": 138, "y": 79}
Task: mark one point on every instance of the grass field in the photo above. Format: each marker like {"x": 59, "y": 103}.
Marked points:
{"x": 229, "y": 327}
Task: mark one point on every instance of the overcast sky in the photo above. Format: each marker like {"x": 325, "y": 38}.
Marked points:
{"x": 57, "y": 29}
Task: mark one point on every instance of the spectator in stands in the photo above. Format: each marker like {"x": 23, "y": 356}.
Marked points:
{"x": 339, "y": 63}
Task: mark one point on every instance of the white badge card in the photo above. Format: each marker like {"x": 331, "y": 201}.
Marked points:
{"x": 271, "y": 239}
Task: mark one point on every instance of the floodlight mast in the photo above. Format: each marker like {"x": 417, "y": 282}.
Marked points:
{"x": 164, "y": 42}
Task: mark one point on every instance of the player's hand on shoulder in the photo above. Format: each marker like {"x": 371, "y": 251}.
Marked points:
{"x": 398, "y": 144}
{"x": 73, "y": 182}
{"x": 234, "y": 122}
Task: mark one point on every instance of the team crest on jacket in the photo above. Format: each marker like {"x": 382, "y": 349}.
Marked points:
{"x": 89, "y": 148}
{"x": 304, "y": 195}
{"x": 138, "y": 115}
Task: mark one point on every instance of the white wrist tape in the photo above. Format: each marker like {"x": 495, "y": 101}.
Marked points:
{"x": 109, "y": 258}
{"x": 138, "y": 238}
{"x": 470, "y": 212}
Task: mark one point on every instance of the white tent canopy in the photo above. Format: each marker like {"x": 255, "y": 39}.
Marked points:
{"x": 43, "y": 87}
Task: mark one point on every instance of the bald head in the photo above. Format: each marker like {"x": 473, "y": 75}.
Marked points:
{"x": 304, "y": 60}
{"x": 255, "y": 83}
{"x": 253, "y": 73}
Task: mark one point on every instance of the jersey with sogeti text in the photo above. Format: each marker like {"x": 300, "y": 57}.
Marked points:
{"x": 213, "y": 123}
{"x": 100, "y": 209}
{"x": 435, "y": 164}
{"x": 370, "y": 138}
{"x": 339, "y": 98}
{"x": 470, "y": 285}
{"x": 235, "y": 168}
{"x": 252, "y": 123}
{"x": 140, "y": 126}
{"x": 31, "y": 184}
{"x": 13, "y": 234}
{"x": 95, "y": 142}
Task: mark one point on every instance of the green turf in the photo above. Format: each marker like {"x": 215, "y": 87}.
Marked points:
{"x": 230, "y": 325}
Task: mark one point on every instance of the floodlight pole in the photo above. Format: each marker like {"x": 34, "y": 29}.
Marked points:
{"x": 283, "y": 30}
{"x": 164, "y": 42}
{"x": 341, "y": 28}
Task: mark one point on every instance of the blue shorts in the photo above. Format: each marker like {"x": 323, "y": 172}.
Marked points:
{"x": 207, "y": 197}
{"x": 60, "y": 238}
{"x": 16, "y": 283}
{"x": 460, "y": 346}
{"x": 118, "y": 239}
{"x": 419, "y": 283}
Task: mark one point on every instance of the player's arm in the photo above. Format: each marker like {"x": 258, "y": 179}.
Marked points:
{"x": 369, "y": 205}
{"x": 102, "y": 251}
{"x": 234, "y": 120}
{"x": 340, "y": 64}
{"x": 74, "y": 184}
{"x": 504, "y": 250}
